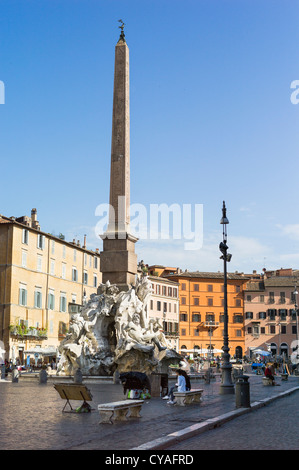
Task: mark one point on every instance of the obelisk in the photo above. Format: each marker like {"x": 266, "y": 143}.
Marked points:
{"x": 118, "y": 259}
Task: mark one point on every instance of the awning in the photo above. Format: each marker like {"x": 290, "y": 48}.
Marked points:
{"x": 50, "y": 351}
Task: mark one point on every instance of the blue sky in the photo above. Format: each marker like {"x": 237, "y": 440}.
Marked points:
{"x": 211, "y": 119}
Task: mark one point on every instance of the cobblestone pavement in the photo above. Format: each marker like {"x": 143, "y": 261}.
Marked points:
{"x": 273, "y": 427}
{"x": 32, "y": 418}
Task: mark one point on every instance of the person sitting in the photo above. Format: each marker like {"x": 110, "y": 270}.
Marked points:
{"x": 269, "y": 375}
{"x": 180, "y": 386}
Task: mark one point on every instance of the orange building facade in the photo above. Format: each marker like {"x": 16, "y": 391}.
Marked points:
{"x": 201, "y": 320}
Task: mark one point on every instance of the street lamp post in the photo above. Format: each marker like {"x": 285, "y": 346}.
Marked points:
{"x": 227, "y": 386}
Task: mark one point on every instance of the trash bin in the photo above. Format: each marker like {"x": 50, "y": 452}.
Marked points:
{"x": 242, "y": 392}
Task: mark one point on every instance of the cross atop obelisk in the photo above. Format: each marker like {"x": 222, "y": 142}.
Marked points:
{"x": 118, "y": 258}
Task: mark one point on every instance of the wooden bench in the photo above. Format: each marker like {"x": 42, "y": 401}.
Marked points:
{"x": 117, "y": 411}
{"x": 74, "y": 392}
{"x": 187, "y": 398}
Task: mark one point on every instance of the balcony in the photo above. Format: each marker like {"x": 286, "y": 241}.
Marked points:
{"x": 22, "y": 331}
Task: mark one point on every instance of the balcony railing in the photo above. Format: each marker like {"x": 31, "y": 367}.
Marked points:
{"x": 30, "y": 332}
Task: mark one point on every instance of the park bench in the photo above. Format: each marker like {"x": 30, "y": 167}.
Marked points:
{"x": 117, "y": 411}
{"x": 188, "y": 397}
{"x": 74, "y": 392}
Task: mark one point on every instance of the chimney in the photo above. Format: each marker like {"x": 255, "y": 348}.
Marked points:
{"x": 84, "y": 243}
{"x": 34, "y": 221}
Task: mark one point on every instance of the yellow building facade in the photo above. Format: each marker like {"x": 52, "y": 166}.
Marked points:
{"x": 202, "y": 312}
{"x": 43, "y": 280}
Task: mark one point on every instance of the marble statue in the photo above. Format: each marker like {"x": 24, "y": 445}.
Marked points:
{"x": 113, "y": 332}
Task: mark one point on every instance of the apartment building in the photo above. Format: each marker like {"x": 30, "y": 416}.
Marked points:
{"x": 270, "y": 314}
{"x": 43, "y": 280}
{"x": 163, "y": 306}
{"x": 201, "y": 297}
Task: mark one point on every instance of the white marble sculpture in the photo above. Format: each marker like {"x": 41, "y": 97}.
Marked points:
{"x": 113, "y": 332}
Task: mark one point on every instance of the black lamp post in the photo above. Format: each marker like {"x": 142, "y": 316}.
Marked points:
{"x": 227, "y": 386}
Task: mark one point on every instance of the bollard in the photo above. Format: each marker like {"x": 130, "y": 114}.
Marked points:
{"x": 78, "y": 377}
{"x": 242, "y": 392}
{"x": 43, "y": 377}
{"x": 15, "y": 375}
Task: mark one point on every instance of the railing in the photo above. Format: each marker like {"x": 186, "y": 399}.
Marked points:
{"x": 29, "y": 332}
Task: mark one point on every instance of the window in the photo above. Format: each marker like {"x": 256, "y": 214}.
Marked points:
{"x": 238, "y": 333}
{"x": 248, "y": 298}
{"x": 238, "y": 289}
{"x": 63, "y": 270}
{"x": 24, "y": 259}
{"x": 282, "y": 313}
{"x": 238, "y": 318}
{"x": 282, "y": 299}
{"x": 249, "y": 315}
{"x": 164, "y": 307}
{"x": 40, "y": 241}
{"x": 183, "y": 300}
{"x": 85, "y": 278}
{"x": 256, "y": 330}
{"x": 62, "y": 306}
{"x": 196, "y": 287}
{"x": 39, "y": 263}
{"x": 183, "y": 286}
{"x": 51, "y": 301}
{"x": 74, "y": 274}
{"x": 63, "y": 251}
{"x": 85, "y": 259}
{"x": 52, "y": 267}
{"x": 52, "y": 247}
{"x": 183, "y": 332}
{"x": 249, "y": 330}
{"x": 23, "y": 295}
{"x": 272, "y": 313}
{"x": 210, "y": 317}
{"x": 183, "y": 317}
{"x": 262, "y": 315}
{"x": 272, "y": 329}
{"x": 210, "y": 302}
{"x": 196, "y": 301}
{"x": 196, "y": 317}
{"x": 294, "y": 329}
{"x": 263, "y": 330}
{"x": 95, "y": 261}
{"x": 271, "y": 298}
{"x": 158, "y": 289}
{"x": 158, "y": 305}
{"x": 169, "y": 291}
{"x": 38, "y": 298}
{"x": 210, "y": 287}
{"x": 283, "y": 329}
{"x": 175, "y": 292}
{"x": 163, "y": 290}
{"x": 25, "y": 236}
{"x": 75, "y": 255}
{"x": 262, "y": 298}
{"x": 151, "y": 305}
{"x": 238, "y": 302}
{"x": 95, "y": 281}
